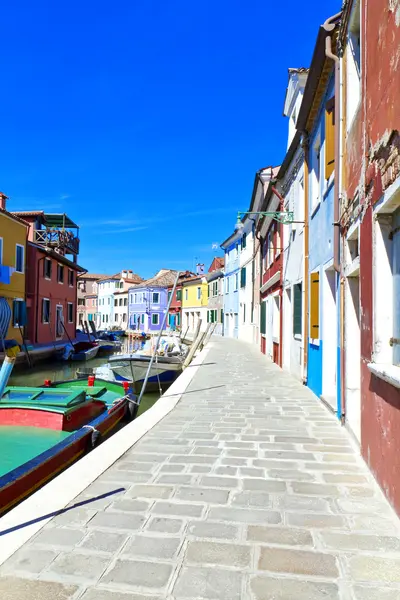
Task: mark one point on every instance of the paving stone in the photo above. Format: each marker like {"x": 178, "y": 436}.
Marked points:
{"x": 299, "y": 562}
{"x": 302, "y": 503}
{"x": 375, "y": 568}
{"x": 316, "y": 520}
{"x": 193, "y": 459}
{"x": 59, "y": 536}
{"x": 217, "y": 553}
{"x": 372, "y": 507}
{"x": 163, "y": 525}
{"x": 319, "y": 489}
{"x": 79, "y": 566}
{"x": 208, "y": 583}
{"x": 124, "y": 478}
{"x": 223, "y": 482}
{"x": 280, "y": 535}
{"x": 237, "y": 444}
{"x": 117, "y": 520}
{"x": 268, "y": 588}
{"x": 375, "y": 593}
{"x": 168, "y": 468}
{"x": 98, "y": 594}
{"x": 251, "y": 472}
{"x": 200, "y": 494}
{"x": 290, "y": 475}
{"x": 128, "y": 505}
{"x": 76, "y": 517}
{"x": 353, "y": 541}
{"x": 263, "y": 463}
{"x": 282, "y": 455}
{"x": 180, "y": 509}
{"x": 30, "y": 559}
{"x": 295, "y": 439}
{"x": 276, "y": 487}
{"x": 368, "y": 523}
{"x": 251, "y": 498}
{"x": 344, "y": 478}
{"x": 152, "y": 546}
{"x": 102, "y": 541}
{"x": 207, "y": 529}
{"x": 140, "y": 574}
{"x": 150, "y": 491}
{"x": 229, "y": 471}
{"x": 207, "y": 450}
{"x": 241, "y": 453}
{"x": 12, "y": 588}
{"x": 339, "y": 458}
{"x": 242, "y": 515}
{"x": 175, "y": 479}
{"x": 137, "y": 457}
{"x": 200, "y": 469}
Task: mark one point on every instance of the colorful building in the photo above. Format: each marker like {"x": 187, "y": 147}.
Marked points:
{"x": 370, "y": 225}
{"x": 316, "y": 119}
{"x": 106, "y": 287}
{"x": 215, "y": 306}
{"x": 121, "y": 309}
{"x": 13, "y": 236}
{"x": 194, "y": 303}
{"x": 148, "y": 301}
{"x": 175, "y": 309}
{"x": 51, "y": 279}
{"x": 87, "y": 298}
{"x": 231, "y": 247}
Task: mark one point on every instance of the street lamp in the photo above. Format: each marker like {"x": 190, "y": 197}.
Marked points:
{"x": 283, "y": 217}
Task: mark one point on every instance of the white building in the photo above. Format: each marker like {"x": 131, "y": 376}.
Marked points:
{"x": 246, "y": 278}
{"x": 110, "y": 315}
{"x": 291, "y": 187}
{"x": 121, "y": 309}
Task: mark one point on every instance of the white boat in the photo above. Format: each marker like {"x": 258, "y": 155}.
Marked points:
{"x": 166, "y": 366}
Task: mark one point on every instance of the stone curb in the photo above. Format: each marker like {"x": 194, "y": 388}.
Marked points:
{"x": 26, "y": 519}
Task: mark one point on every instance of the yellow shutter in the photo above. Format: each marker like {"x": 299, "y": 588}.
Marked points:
{"x": 314, "y": 305}
{"x": 329, "y": 137}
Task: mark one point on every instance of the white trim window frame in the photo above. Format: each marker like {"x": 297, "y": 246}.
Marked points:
{"x": 22, "y": 270}
{"x": 70, "y": 304}
{"x": 44, "y": 321}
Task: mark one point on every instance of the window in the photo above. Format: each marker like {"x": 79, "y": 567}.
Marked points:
{"x": 244, "y": 313}
{"x": 186, "y": 294}
{"x": 209, "y": 289}
{"x": 142, "y": 318}
{"x": 178, "y": 319}
{"x": 227, "y": 284}
{"x": 115, "y": 302}
{"x": 156, "y": 298}
{"x": 315, "y": 172}
{"x": 120, "y": 302}
{"x": 116, "y": 317}
{"x": 243, "y": 277}
{"x": 263, "y": 319}
{"x": 125, "y": 301}
{"x": 70, "y": 312}
{"x": 179, "y": 295}
{"x": 47, "y": 266}
{"x": 353, "y": 65}
{"x": 198, "y": 293}
{"x": 45, "y": 310}
{"x": 19, "y": 312}
{"x": 314, "y": 305}
{"x": 70, "y": 278}
{"x": 124, "y": 318}
{"x": 81, "y": 301}
{"x": 104, "y": 318}
{"x": 169, "y": 295}
{"x": 244, "y": 241}
{"x": 297, "y": 308}
{"x": 60, "y": 273}
{"x": 19, "y": 258}
{"x": 109, "y": 301}
{"x": 329, "y": 137}
{"x": 155, "y": 318}
{"x": 236, "y": 282}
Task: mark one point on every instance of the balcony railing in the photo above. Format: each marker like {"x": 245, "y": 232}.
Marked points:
{"x": 57, "y": 238}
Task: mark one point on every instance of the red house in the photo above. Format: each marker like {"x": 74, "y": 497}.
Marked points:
{"x": 370, "y": 228}
{"x": 271, "y": 278}
{"x": 51, "y": 277}
{"x": 175, "y": 310}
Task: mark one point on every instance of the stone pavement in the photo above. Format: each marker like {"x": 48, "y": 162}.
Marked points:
{"x": 248, "y": 489}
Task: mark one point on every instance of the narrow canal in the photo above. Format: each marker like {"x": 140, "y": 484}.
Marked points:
{"x": 61, "y": 371}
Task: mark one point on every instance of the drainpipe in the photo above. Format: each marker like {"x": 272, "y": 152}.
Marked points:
{"x": 328, "y": 26}
{"x": 306, "y": 314}
{"x": 281, "y": 206}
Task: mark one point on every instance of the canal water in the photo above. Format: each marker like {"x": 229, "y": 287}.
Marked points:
{"x": 64, "y": 370}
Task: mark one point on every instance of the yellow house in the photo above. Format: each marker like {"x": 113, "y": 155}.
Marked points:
{"x": 13, "y": 235}
{"x": 194, "y": 303}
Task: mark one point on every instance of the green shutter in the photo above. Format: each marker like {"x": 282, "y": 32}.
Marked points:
{"x": 263, "y": 324}
{"x": 222, "y": 315}
{"x": 297, "y": 308}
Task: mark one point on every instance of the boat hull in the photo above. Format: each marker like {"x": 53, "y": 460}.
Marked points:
{"x": 27, "y": 478}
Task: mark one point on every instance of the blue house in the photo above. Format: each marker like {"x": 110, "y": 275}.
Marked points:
{"x": 148, "y": 302}
{"x": 317, "y": 120}
{"x": 231, "y": 247}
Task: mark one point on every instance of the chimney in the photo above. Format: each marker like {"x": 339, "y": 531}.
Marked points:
{"x": 3, "y": 200}
{"x": 124, "y": 274}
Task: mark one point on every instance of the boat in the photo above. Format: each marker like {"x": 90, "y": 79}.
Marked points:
{"x": 106, "y": 341}
{"x": 166, "y": 367}
{"x": 80, "y": 351}
{"x": 44, "y": 430}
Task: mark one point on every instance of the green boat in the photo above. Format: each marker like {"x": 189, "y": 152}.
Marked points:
{"x": 43, "y": 430}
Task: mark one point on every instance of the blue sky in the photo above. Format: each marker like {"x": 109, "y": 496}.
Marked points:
{"x": 146, "y": 121}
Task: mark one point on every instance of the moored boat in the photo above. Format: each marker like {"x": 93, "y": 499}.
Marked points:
{"x": 80, "y": 351}
{"x": 44, "y": 430}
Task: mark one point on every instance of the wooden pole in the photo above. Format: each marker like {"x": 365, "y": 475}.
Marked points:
{"x": 193, "y": 349}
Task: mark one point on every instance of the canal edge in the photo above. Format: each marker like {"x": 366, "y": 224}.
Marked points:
{"x": 29, "y": 517}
